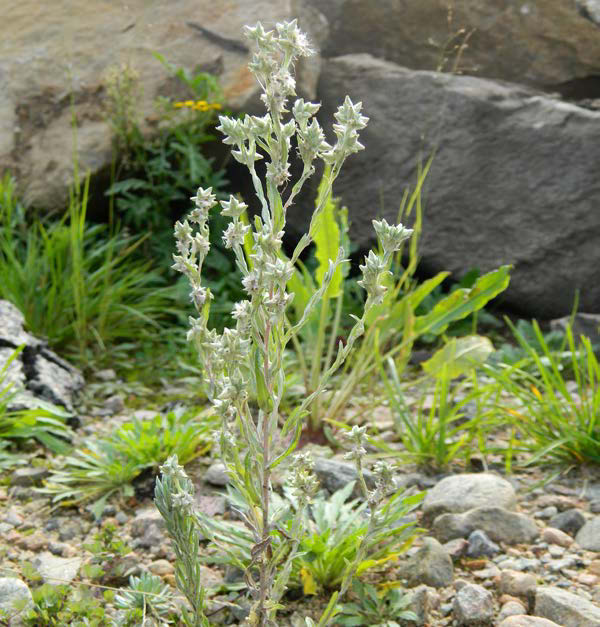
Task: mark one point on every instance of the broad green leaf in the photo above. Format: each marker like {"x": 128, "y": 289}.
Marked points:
{"x": 459, "y": 356}
{"x": 327, "y": 238}
{"x": 462, "y": 302}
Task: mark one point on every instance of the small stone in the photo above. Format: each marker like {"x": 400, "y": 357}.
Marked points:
{"x": 595, "y": 507}
{"x": 161, "y": 568}
{"x": 588, "y": 537}
{"x": 13, "y": 590}
{"x": 588, "y": 579}
{"x": 556, "y": 536}
{"x": 559, "y": 502}
{"x": 565, "y": 608}
{"x": 461, "y": 493}
{"x": 26, "y": 477}
{"x": 211, "y": 505}
{"x": 57, "y": 548}
{"x": 499, "y": 524}
{"x": 546, "y": 513}
{"x": 13, "y": 517}
{"x": 570, "y": 521}
{"x": 333, "y": 475}
{"x": 512, "y": 608}
{"x": 216, "y": 474}
{"x": 527, "y": 621}
{"x": 57, "y": 570}
{"x": 107, "y": 374}
{"x": 594, "y": 567}
{"x": 422, "y": 601}
{"x": 473, "y": 605}
{"x": 34, "y": 542}
{"x": 430, "y": 565}
{"x": 121, "y": 517}
{"x": 148, "y": 528}
{"x": 114, "y": 404}
{"x": 562, "y": 565}
{"x": 517, "y": 584}
{"x": 456, "y": 548}
{"x": 481, "y": 546}
{"x": 69, "y": 528}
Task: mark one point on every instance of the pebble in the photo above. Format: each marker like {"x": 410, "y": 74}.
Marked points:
{"x": 148, "y": 528}
{"x": 480, "y": 545}
{"x": 460, "y": 493}
{"x": 527, "y": 621}
{"x": 552, "y": 535}
{"x": 546, "y": 513}
{"x": 565, "y": 608}
{"x": 473, "y": 605}
{"x": 588, "y": 537}
{"x": 57, "y": 570}
{"x": 511, "y": 608}
{"x": 499, "y": 524}
{"x": 34, "y": 542}
{"x": 570, "y": 521}
{"x": 333, "y": 475}
{"x": 216, "y": 474}
{"x": 517, "y": 584}
{"x": 456, "y": 548}
{"x": 161, "y": 568}
{"x": 430, "y": 565}
{"x": 595, "y": 507}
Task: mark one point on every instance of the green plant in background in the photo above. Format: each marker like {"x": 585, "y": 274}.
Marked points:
{"x": 106, "y": 564}
{"x": 511, "y": 355}
{"x": 75, "y": 283}
{"x": 437, "y": 435}
{"x": 147, "y": 596}
{"x": 555, "y": 420}
{"x": 157, "y": 173}
{"x": 252, "y": 443}
{"x": 108, "y": 466}
{"x": 377, "y": 608}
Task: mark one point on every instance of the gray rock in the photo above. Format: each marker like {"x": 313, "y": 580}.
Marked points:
{"x": 114, "y": 404}
{"x": 473, "y": 605}
{"x": 420, "y": 603}
{"x": 211, "y": 505}
{"x": 570, "y": 521}
{"x": 527, "y": 621}
{"x": 511, "y": 608}
{"x": 57, "y": 570}
{"x": 13, "y": 517}
{"x": 481, "y": 546}
{"x": 499, "y": 524}
{"x": 148, "y": 527}
{"x": 333, "y": 475}
{"x": 565, "y": 608}
{"x": 482, "y": 206}
{"x": 216, "y": 474}
{"x": 430, "y": 565}
{"x": 13, "y": 590}
{"x": 37, "y": 374}
{"x": 29, "y": 476}
{"x": 595, "y": 507}
{"x": 555, "y": 42}
{"x": 460, "y": 493}
{"x": 35, "y": 114}
{"x": 517, "y": 584}
{"x": 588, "y": 537}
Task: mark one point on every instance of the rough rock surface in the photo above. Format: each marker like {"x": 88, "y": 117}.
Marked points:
{"x": 473, "y": 605}
{"x": 52, "y": 50}
{"x": 460, "y": 493}
{"x": 588, "y": 537}
{"x": 565, "y": 608}
{"x": 37, "y": 373}
{"x": 545, "y": 43}
{"x": 13, "y": 590}
{"x": 430, "y": 565}
{"x": 499, "y": 524}
{"x": 527, "y": 621}
{"x": 508, "y": 162}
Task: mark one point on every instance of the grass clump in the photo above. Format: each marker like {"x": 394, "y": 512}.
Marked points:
{"x": 108, "y": 466}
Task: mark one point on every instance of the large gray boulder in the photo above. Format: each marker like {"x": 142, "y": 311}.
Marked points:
{"x": 55, "y": 55}
{"x": 37, "y": 373}
{"x": 546, "y": 43}
{"x": 514, "y": 179}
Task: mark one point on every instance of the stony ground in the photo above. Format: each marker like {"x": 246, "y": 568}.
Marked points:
{"x": 498, "y": 550}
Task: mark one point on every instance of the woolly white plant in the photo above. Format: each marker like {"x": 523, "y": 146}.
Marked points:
{"x": 247, "y": 361}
